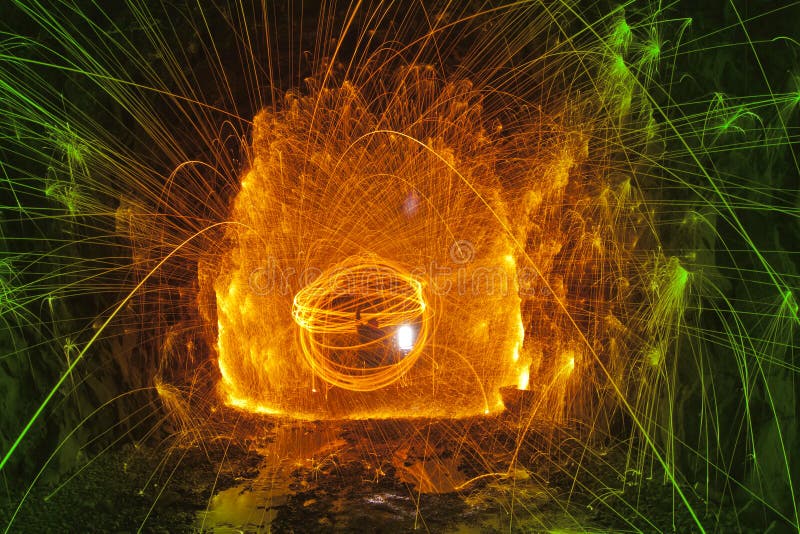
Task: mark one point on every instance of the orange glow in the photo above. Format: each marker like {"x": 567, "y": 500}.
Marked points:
{"x": 391, "y": 255}
{"x": 524, "y": 378}
{"x": 351, "y": 226}
{"x": 337, "y": 313}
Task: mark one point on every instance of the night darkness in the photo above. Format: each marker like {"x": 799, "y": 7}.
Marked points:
{"x": 480, "y": 266}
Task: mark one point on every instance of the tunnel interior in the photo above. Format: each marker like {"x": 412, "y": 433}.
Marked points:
{"x": 491, "y": 266}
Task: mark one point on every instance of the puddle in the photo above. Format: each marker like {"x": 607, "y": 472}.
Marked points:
{"x": 247, "y": 508}
{"x": 252, "y": 505}
{"x": 320, "y": 476}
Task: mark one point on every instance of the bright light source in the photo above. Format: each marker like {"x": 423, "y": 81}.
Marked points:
{"x": 405, "y": 337}
{"x": 524, "y": 377}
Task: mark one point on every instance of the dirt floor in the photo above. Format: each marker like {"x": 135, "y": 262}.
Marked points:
{"x": 367, "y": 476}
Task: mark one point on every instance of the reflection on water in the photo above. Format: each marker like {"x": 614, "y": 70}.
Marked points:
{"x": 374, "y": 476}
{"x": 245, "y": 508}
{"x": 252, "y": 505}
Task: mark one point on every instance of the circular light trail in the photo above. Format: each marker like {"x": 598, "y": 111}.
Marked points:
{"x": 347, "y": 319}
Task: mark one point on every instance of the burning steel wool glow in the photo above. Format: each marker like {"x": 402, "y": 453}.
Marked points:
{"x": 360, "y": 214}
{"x": 404, "y": 198}
{"x": 502, "y": 254}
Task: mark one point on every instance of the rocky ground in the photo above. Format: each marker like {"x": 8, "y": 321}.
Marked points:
{"x": 368, "y": 476}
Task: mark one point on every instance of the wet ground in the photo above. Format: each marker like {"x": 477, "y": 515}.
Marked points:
{"x": 492, "y": 474}
{"x": 379, "y": 477}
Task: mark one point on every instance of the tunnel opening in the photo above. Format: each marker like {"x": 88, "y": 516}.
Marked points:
{"x": 445, "y": 263}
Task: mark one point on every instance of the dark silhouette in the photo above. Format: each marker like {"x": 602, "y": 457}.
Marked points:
{"x": 373, "y": 340}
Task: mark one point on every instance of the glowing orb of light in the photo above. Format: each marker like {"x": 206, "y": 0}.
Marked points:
{"x": 346, "y": 317}
{"x": 405, "y": 338}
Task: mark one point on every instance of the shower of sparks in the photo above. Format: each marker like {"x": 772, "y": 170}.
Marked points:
{"x": 436, "y": 212}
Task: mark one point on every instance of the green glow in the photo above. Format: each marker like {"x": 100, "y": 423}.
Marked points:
{"x": 671, "y": 358}
{"x": 621, "y": 35}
